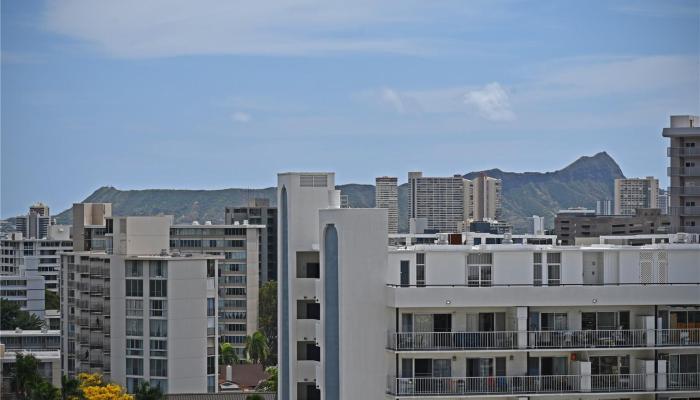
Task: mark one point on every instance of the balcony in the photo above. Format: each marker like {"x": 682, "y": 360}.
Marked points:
{"x": 683, "y": 171}
{"x": 684, "y": 211}
{"x": 550, "y": 384}
{"x": 574, "y": 339}
{"x": 435, "y": 341}
{"x": 685, "y": 190}
{"x": 683, "y": 151}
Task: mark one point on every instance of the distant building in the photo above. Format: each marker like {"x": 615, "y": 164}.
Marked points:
{"x": 580, "y": 226}
{"x": 663, "y": 201}
{"x": 490, "y": 226}
{"x": 26, "y": 288}
{"x": 634, "y": 193}
{"x": 604, "y": 207}
{"x": 684, "y": 155}
{"x": 386, "y": 196}
{"x": 536, "y": 225}
{"x": 44, "y": 345}
{"x": 34, "y": 225}
{"x": 486, "y": 198}
{"x": 438, "y": 199}
{"x": 259, "y": 212}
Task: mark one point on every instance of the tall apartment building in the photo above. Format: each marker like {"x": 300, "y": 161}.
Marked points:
{"x": 17, "y": 250}
{"x": 684, "y": 154}
{"x": 89, "y": 226}
{"x": 441, "y": 200}
{"x": 634, "y": 193}
{"x": 330, "y": 293}
{"x": 487, "y": 198}
{"x": 664, "y": 200}
{"x": 259, "y": 212}
{"x": 386, "y": 195}
{"x": 238, "y": 247}
{"x": 134, "y": 311}
{"x": 514, "y": 321}
{"x": 575, "y": 226}
{"x": 35, "y": 224}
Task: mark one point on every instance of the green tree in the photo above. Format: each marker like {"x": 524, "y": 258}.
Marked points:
{"x": 270, "y": 385}
{"x": 51, "y": 301}
{"x": 70, "y": 388}
{"x": 267, "y": 318}
{"x": 256, "y": 347}
{"x": 227, "y": 354}
{"x": 254, "y": 397}
{"x": 12, "y": 316}
{"x": 25, "y": 375}
{"x": 43, "y": 390}
{"x": 147, "y": 392}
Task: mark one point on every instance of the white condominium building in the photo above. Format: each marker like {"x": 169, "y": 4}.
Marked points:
{"x": 509, "y": 320}
{"x": 140, "y": 312}
{"x": 387, "y": 196}
{"x": 684, "y": 172}
{"x": 634, "y": 193}
{"x": 486, "y": 192}
{"x": 441, "y": 200}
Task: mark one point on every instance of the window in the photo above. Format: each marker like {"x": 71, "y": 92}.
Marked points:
{"x": 159, "y": 367}
{"x": 537, "y": 269}
{"x": 554, "y": 321}
{"x": 158, "y": 328}
{"x": 134, "y": 308}
{"x": 134, "y": 268}
{"x": 134, "y": 347}
{"x": 158, "y": 269}
{"x": 158, "y": 288}
{"x": 553, "y": 269}
{"x": 420, "y": 269}
{"x": 134, "y": 327}
{"x": 479, "y": 269}
{"x": 134, "y": 366}
{"x": 211, "y": 268}
{"x": 159, "y": 308}
{"x": 134, "y": 287}
{"x": 211, "y": 307}
{"x": 159, "y": 348}
{"x": 405, "y": 277}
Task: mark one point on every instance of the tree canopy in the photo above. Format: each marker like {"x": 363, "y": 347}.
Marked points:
{"x": 12, "y": 316}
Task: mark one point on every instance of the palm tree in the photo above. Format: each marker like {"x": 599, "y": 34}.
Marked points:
{"x": 70, "y": 388}
{"x": 147, "y": 392}
{"x": 227, "y": 354}
{"x": 25, "y": 375}
{"x": 256, "y": 347}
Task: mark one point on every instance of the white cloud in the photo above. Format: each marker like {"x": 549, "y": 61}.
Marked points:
{"x": 165, "y": 28}
{"x": 240, "y": 116}
{"x": 392, "y": 98}
{"x": 492, "y": 102}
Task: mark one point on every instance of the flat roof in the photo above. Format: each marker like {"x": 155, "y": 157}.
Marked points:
{"x": 681, "y": 132}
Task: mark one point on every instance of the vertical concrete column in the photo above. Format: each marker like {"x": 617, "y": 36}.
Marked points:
{"x": 521, "y": 314}
{"x": 649, "y": 326}
{"x": 661, "y": 381}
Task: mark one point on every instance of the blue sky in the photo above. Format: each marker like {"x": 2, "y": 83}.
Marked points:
{"x": 215, "y": 94}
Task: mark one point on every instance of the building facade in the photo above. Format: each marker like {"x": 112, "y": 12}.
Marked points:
{"x": 584, "y": 226}
{"x": 35, "y": 224}
{"x": 259, "y": 212}
{"x": 604, "y": 207}
{"x": 135, "y": 311}
{"x": 634, "y": 193}
{"x": 386, "y": 195}
{"x": 26, "y": 288}
{"x": 487, "y": 198}
{"x": 684, "y": 172}
{"x": 664, "y": 200}
{"x": 238, "y": 273}
{"x": 441, "y": 200}
{"x": 510, "y": 320}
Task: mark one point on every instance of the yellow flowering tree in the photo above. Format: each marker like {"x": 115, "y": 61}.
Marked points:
{"x": 94, "y": 388}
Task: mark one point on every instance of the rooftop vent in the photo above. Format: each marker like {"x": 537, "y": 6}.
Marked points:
{"x": 195, "y": 222}
{"x": 207, "y": 222}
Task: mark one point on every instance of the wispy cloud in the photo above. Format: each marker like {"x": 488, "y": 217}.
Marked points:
{"x": 492, "y": 102}
{"x": 240, "y": 116}
{"x": 391, "y": 97}
{"x": 165, "y": 28}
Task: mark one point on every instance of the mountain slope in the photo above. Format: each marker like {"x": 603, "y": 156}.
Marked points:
{"x": 542, "y": 193}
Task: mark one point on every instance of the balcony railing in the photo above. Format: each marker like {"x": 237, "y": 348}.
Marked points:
{"x": 689, "y": 210}
{"x": 685, "y": 190}
{"x": 678, "y": 337}
{"x": 587, "y": 338}
{"x": 682, "y": 151}
{"x": 542, "y": 384}
{"x": 452, "y": 340}
{"x": 683, "y": 171}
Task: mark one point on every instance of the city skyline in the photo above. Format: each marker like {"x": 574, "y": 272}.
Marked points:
{"x": 305, "y": 86}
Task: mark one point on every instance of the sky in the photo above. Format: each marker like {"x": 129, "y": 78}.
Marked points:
{"x": 215, "y": 94}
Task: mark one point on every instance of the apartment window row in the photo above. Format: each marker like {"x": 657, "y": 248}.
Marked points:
{"x": 232, "y": 291}
{"x": 553, "y": 268}
{"x": 232, "y": 314}
{"x": 233, "y": 280}
{"x": 232, "y": 267}
{"x": 231, "y": 303}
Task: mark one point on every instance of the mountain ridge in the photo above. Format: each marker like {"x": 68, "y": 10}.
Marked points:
{"x": 580, "y": 183}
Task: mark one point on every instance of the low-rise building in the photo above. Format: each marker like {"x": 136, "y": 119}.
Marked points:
{"x": 44, "y": 345}
{"x": 581, "y": 226}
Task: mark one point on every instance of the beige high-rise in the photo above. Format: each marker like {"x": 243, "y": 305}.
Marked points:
{"x": 486, "y": 198}
{"x": 684, "y": 154}
{"x": 386, "y": 196}
{"x": 634, "y": 193}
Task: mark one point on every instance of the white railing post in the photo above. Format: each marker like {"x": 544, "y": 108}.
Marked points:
{"x": 585, "y": 376}
{"x": 661, "y": 381}
{"x": 522, "y": 327}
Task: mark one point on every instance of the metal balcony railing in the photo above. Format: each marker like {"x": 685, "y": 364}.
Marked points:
{"x": 685, "y": 190}
{"x": 682, "y": 381}
{"x": 451, "y": 386}
{"x": 420, "y": 341}
{"x": 678, "y": 337}
{"x": 683, "y": 171}
{"x": 682, "y": 151}
{"x": 618, "y": 383}
{"x": 587, "y": 339}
